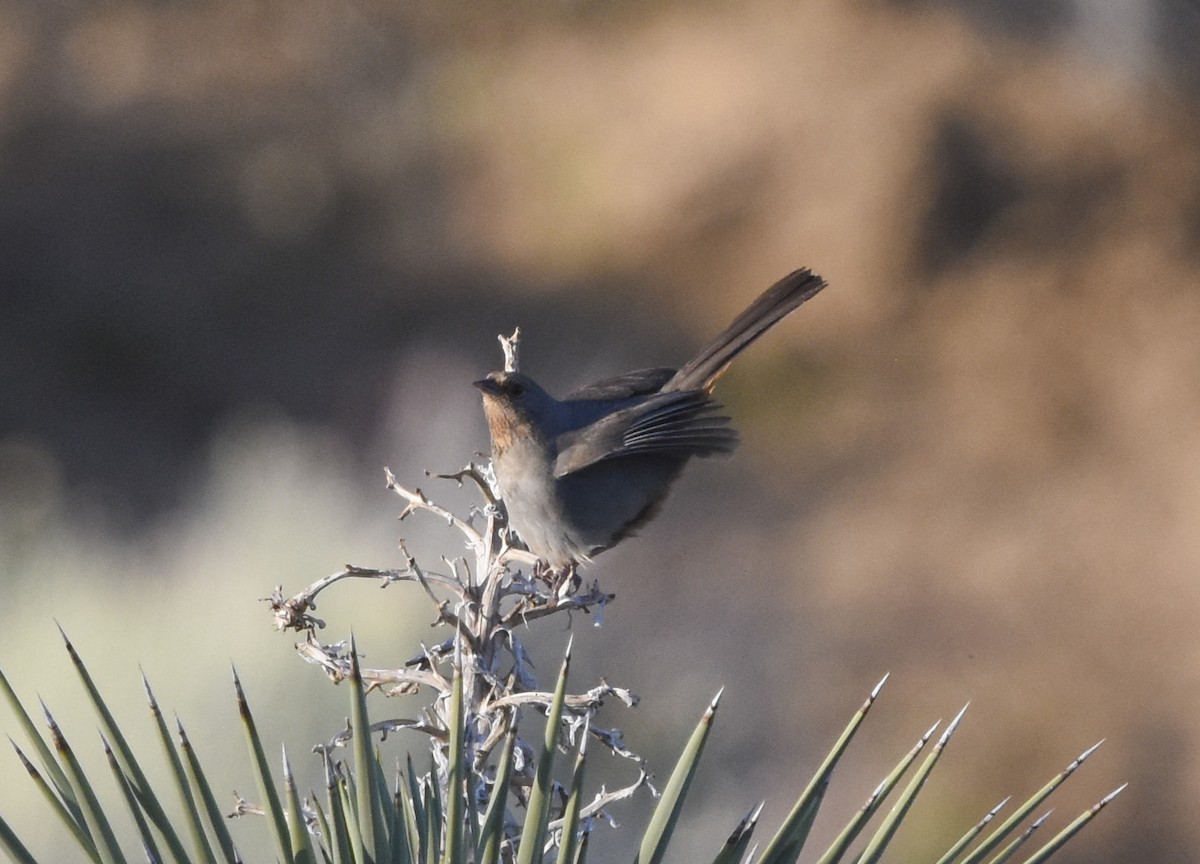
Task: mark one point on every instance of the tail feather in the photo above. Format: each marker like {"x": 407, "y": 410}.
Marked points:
{"x": 703, "y": 370}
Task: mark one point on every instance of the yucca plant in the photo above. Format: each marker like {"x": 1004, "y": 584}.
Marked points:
{"x": 489, "y": 795}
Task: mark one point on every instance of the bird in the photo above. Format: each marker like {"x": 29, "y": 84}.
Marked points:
{"x": 580, "y": 474}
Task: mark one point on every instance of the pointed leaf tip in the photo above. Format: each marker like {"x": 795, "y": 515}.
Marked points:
{"x": 149, "y": 693}
{"x": 878, "y": 687}
{"x": 46, "y": 713}
{"x": 1111, "y": 795}
{"x": 355, "y": 668}
{"x": 712, "y": 706}
{"x": 21, "y": 755}
{"x": 957, "y": 719}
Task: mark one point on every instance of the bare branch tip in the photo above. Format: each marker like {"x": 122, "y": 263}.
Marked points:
{"x": 508, "y": 344}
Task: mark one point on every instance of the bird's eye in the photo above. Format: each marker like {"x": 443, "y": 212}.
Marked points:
{"x": 516, "y": 388}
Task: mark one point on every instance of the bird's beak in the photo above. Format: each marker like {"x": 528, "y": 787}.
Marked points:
{"x": 488, "y": 386}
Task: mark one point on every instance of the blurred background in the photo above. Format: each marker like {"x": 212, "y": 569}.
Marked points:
{"x": 252, "y": 252}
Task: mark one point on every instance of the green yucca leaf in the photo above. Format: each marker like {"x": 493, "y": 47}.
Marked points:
{"x": 262, "y": 776}
{"x": 455, "y": 851}
{"x": 735, "y": 846}
{"x": 398, "y": 817}
{"x": 537, "y": 813}
{"x": 11, "y": 844}
{"x": 997, "y": 837}
{"x": 785, "y": 846}
{"x": 367, "y": 796}
{"x": 666, "y": 814}
{"x": 199, "y": 783}
{"x": 414, "y": 787}
{"x": 790, "y": 851}
{"x": 337, "y": 835}
{"x": 396, "y": 851}
{"x": 124, "y": 754}
{"x": 855, "y": 826}
{"x": 78, "y": 828}
{"x": 347, "y": 795}
{"x": 126, "y": 789}
{"x": 192, "y": 813}
{"x": 433, "y": 821}
{"x": 97, "y": 823}
{"x": 492, "y": 835}
{"x": 1011, "y": 849}
{"x": 410, "y": 798}
{"x": 302, "y": 850}
{"x": 1071, "y": 830}
{"x": 471, "y": 795}
{"x": 954, "y": 851}
{"x": 891, "y": 824}
{"x": 322, "y": 827}
{"x": 383, "y": 808}
{"x": 52, "y": 768}
{"x": 581, "y": 851}
{"x": 570, "y": 822}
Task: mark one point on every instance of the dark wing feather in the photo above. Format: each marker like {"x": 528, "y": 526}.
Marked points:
{"x": 670, "y": 424}
{"x": 640, "y": 382}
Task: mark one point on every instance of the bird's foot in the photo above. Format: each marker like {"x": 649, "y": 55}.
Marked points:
{"x": 562, "y": 582}
{"x": 567, "y": 582}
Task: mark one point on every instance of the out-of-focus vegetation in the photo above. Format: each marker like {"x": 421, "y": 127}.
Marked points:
{"x": 252, "y": 252}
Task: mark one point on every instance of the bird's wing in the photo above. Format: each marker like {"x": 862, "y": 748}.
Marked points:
{"x": 671, "y": 424}
{"x": 640, "y": 382}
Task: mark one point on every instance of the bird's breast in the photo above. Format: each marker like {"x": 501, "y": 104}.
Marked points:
{"x": 531, "y": 496}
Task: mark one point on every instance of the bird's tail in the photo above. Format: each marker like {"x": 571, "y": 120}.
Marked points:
{"x": 703, "y": 370}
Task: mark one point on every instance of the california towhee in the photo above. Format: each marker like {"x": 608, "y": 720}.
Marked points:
{"x": 580, "y": 474}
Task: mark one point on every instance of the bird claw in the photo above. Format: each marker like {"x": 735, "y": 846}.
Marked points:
{"x": 563, "y": 582}
{"x": 567, "y": 582}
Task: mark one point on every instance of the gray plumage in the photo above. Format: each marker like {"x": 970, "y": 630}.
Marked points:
{"x": 581, "y": 473}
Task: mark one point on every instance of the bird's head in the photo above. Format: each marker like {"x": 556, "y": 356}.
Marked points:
{"x": 516, "y": 408}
